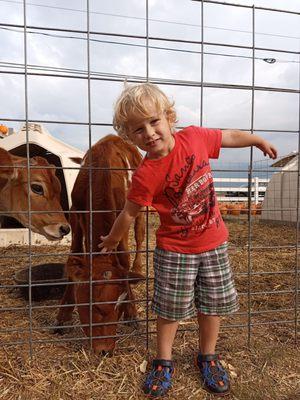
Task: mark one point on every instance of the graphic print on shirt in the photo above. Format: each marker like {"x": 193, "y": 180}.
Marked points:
{"x": 191, "y": 195}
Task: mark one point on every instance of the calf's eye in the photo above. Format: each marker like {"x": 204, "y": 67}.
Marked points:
{"x": 37, "y": 189}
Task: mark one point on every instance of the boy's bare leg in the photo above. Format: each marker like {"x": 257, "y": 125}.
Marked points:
{"x": 166, "y": 331}
{"x": 209, "y": 326}
{"x": 214, "y": 377}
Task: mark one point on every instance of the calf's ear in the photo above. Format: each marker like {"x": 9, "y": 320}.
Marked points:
{"x": 76, "y": 160}
{"x": 38, "y": 160}
{"x": 43, "y": 162}
{"x": 76, "y": 269}
{"x": 7, "y": 169}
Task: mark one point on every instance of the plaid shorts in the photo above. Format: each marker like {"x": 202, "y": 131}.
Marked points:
{"x": 183, "y": 282}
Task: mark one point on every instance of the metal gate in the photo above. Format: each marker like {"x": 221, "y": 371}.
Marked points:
{"x": 268, "y": 280}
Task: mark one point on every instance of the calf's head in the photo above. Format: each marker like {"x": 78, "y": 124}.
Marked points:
{"x": 43, "y": 191}
{"x": 112, "y": 287}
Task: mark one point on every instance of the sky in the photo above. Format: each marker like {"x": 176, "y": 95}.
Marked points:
{"x": 53, "y": 98}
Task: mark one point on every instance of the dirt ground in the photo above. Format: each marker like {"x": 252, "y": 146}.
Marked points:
{"x": 258, "y": 344}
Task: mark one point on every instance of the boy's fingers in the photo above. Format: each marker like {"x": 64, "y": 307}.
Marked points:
{"x": 101, "y": 244}
{"x": 105, "y": 250}
{"x": 272, "y": 154}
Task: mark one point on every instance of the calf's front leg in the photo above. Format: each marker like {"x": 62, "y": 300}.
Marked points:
{"x": 65, "y": 312}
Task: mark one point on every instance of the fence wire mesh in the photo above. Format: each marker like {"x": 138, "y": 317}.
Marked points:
{"x": 263, "y": 221}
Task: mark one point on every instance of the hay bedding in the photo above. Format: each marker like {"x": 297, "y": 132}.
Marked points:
{"x": 69, "y": 370}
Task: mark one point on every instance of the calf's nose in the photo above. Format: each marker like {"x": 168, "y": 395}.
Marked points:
{"x": 64, "y": 229}
{"x": 104, "y": 347}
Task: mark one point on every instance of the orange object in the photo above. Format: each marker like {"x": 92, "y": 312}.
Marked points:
{"x": 253, "y": 209}
{"x": 258, "y": 208}
{"x": 4, "y": 129}
{"x": 223, "y": 208}
{"x": 230, "y": 207}
{"x": 234, "y": 208}
{"x": 244, "y": 208}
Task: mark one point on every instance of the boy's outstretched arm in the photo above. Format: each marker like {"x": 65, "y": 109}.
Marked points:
{"x": 120, "y": 226}
{"x": 236, "y": 138}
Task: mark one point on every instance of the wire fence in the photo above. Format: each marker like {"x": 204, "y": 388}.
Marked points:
{"x": 268, "y": 286}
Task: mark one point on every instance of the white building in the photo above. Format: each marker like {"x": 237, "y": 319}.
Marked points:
{"x": 41, "y": 143}
{"x": 281, "y": 197}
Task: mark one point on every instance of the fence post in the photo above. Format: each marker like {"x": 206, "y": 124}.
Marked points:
{"x": 256, "y": 189}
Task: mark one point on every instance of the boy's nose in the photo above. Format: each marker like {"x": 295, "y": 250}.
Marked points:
{"x": 149, "y": 131}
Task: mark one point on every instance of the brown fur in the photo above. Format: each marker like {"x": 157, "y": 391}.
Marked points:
{"x": 14, "y": 194}
{"x": 108, "y": 193}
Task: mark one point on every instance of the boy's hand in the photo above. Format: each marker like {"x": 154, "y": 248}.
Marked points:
{"x": 268, "y": 149}
{"x": 108, "y": 244}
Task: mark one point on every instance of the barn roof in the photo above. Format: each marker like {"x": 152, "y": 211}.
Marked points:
{"x": 285, "y": 160}
{"x": 38, "y": 135}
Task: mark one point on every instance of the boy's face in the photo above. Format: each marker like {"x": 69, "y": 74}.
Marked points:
{"x": 152, "y": 134}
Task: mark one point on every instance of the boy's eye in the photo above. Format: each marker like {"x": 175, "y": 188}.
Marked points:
{"x": 155, "y": 122}
{"x": 139, "y": 130}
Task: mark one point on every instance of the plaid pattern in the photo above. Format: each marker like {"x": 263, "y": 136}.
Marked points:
{"x": 185, "y": 281}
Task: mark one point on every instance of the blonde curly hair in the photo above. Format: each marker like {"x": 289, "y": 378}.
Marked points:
{"x": 134, "y": 102}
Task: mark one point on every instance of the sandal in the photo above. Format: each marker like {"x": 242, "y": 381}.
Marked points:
{"x": 159, "y": 379}
{"x": 214, "y": 376}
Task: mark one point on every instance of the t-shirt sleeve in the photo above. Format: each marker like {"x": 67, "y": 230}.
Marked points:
{"x": 140, "y": 192}
{"x": 212, "y": 139}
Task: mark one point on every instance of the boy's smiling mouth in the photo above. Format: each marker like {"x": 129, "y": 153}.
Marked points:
{"x": 152, "y": 142}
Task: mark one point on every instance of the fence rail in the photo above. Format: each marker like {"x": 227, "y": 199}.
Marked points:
{"x": 240, "y": 193}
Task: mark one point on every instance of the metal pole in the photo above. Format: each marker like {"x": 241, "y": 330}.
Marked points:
{"x": 202, "y": 63}
{"x": 147, "y": 209}
{"x": 90, "y": 250}
{"x": 297, "y": 232}
{"x": 28, "y": 182}
{"x": 250, "y": 182}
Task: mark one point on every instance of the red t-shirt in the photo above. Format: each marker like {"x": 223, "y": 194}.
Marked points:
{"x": 180, "y": 187}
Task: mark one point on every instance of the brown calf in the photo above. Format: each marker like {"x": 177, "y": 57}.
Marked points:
{"x": 112, "y": 286}
{"x": 110, "y": 159}
{"x": 44, "y": 195}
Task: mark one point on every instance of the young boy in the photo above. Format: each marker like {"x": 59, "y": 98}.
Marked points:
{"x": 190, "y": 261}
